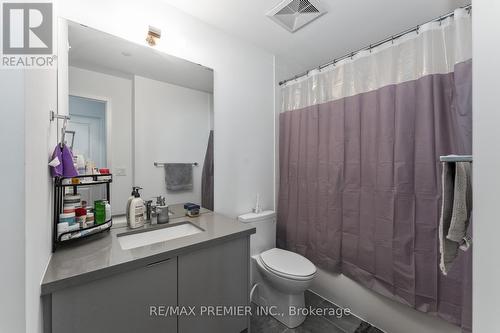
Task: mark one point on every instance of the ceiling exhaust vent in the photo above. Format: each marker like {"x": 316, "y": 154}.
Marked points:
{"x": 294, "y": 14}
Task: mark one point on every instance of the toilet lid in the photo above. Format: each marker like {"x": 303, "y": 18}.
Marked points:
{"x": 287, "y": 262}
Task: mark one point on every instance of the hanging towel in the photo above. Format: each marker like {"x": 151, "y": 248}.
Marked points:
{"x": 61, "y": 164}
{"x": 462, "y": 203}
{"x": 456, "y": 209}
{"x": 179, "y": 176}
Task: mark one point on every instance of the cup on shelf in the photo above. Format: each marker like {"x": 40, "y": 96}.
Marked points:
{"x": 81, "y": 217}
{"x": 90, "y": 219}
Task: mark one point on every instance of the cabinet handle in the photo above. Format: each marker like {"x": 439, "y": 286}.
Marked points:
{"x": 158, "y": 262}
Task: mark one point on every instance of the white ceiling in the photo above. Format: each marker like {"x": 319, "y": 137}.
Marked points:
{"x": 98, "y": 51}
{"x": 348, "y": 25}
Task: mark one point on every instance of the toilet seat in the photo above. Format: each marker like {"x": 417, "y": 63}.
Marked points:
{"x": 287, "y": 264}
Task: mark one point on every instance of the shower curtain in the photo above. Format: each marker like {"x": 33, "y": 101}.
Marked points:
{"x": 359, "y": 165}
{"x": 207, "y": 175}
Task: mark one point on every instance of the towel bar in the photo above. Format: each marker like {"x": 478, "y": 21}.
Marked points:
{"x": 456, "y": 158}
{"x": 160, "y": 164}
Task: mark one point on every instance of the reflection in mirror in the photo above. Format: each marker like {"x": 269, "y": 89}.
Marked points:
{"x": 145, "y": 115}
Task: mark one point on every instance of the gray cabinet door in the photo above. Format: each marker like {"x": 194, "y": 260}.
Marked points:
{"x": 214, "y": 276}
{"x": 120, "y": 303}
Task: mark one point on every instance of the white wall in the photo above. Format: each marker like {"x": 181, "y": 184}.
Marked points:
{"x": 171, "y": 124}
{"x": 243, "y": 90}
{"x": 25, "y": 233}
{"x": 118, "y": 92}
{"x": 12, "y": 227}
{"x": 41, "y": 138}
{"x": 486, "y": 121}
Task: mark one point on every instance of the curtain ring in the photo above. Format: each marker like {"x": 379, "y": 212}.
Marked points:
{"x": 418, "y": 29}
{"x": 370, "y": 48}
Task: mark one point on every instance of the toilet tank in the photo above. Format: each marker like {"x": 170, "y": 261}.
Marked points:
{"x": 265, "y": 234}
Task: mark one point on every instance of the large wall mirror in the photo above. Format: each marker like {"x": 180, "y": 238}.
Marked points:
{"x": 145, "y": 115}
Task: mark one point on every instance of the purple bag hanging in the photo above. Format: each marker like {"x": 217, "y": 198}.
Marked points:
{"x": 69, "y": 169}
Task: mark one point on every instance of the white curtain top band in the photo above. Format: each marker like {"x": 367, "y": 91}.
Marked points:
{"x": 435, "y": 49}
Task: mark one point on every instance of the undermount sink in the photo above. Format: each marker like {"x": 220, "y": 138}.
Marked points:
{"x": 131, "y": 240}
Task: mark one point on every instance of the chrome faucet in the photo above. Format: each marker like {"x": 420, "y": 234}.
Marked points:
{"x": 150, "y": 210}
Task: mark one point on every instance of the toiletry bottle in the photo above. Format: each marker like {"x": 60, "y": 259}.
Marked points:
{"x": 80, "y": 164}
{"x": 107, "y": 207}
{"x": 100, "y": 211}
{"x": 136, "y": 211}
{"x": 135, "y": 190}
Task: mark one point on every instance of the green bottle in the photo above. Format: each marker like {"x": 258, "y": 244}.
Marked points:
{"x": 99, "y": 211}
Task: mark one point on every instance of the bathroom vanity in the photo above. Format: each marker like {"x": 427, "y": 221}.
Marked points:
{"x": 169, "y": 286}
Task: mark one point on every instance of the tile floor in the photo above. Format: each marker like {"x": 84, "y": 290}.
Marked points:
{"x": 312, "y": 324}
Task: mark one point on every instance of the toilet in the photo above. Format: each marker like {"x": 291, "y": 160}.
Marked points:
{"x": 279, "y": 278}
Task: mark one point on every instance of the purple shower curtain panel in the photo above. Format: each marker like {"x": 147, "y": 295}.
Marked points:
{"x": 360, "y": 188}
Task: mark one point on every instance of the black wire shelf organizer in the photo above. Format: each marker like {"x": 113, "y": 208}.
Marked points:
{"x": 70, "y": 185}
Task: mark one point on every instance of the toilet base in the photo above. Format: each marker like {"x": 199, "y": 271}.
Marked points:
{"x": 285, "y": 305}
{"x": 277, "y": 304}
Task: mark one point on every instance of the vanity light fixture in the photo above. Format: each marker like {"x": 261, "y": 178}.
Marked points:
{"x": 153, "y": 35}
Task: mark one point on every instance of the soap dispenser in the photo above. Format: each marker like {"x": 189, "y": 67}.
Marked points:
{"x": 135, "y": 209}
{"x": 129, "y": 201}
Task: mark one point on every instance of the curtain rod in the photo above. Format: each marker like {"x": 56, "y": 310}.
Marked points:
{"x": 371, "y": 46}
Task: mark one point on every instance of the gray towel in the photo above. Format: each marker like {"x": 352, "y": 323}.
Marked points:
{"x": 179, "y": 176}
{"x": 455, "y": 211}
{"x": 462, "y": 203}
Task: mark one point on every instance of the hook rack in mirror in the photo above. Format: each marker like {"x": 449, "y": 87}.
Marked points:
{"x": 53, "y": 116}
